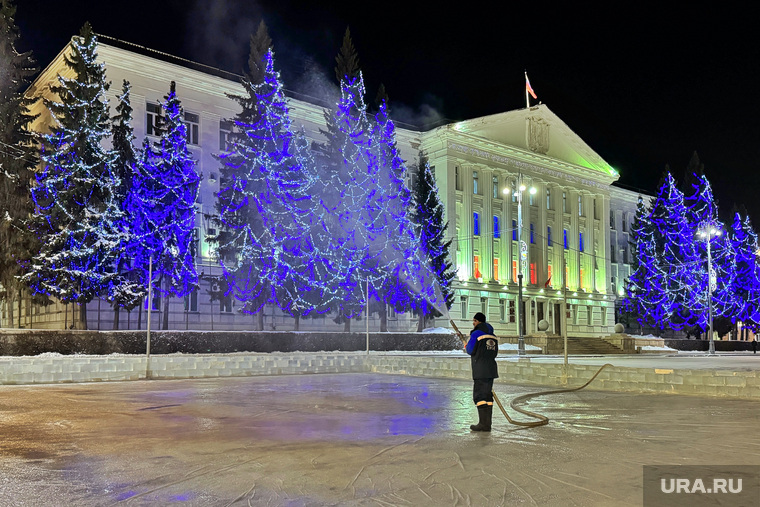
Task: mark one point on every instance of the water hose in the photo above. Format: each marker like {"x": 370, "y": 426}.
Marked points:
{"x": 542, "y": 419}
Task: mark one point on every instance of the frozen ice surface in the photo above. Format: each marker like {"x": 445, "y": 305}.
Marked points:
{"x": 348, "y": 439}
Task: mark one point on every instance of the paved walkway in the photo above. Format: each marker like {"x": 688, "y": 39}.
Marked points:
{"x": 350, "y": 439}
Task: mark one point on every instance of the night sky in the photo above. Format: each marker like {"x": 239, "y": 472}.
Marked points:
{"x": 643, "y": 87}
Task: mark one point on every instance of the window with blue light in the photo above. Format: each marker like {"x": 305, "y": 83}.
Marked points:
{"x": 474, "y": 182}
{"x": 565, "y": 238}
{"x": 514, "y": 230}
{"x": 496, "y": 230}
{"x": 580, "y": 241}
{"x": 549, "y": 236}
{"x": 476, "y": 224}
{"x": 532, "y": 238}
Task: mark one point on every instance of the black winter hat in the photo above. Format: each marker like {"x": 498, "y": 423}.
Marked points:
{"x": 480, "y": 317}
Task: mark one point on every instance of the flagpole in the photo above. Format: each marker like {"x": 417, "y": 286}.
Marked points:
{"x": 527, "y": 100}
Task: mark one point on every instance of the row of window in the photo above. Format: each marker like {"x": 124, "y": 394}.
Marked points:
{"x": 154, "y": 115}
{"x": 533, "y": 272}
{"x": 507, "y": 310}
{"x": 497, "y": 232}
{"x": 532, "y": 201}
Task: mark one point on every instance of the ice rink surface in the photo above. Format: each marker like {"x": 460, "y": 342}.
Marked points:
{"x": 348, "y": 439}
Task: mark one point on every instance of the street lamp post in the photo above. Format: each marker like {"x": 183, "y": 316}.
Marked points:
{"x": 707, "y": 234}
{"x": 523, "y": 249}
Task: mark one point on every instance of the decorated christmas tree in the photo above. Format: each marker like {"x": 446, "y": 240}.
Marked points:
{"x": 77, "y": 215}
{"x": 161, "y": 206}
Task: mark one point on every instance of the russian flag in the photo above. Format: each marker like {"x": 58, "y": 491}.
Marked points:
{"x": 528, "y": 88}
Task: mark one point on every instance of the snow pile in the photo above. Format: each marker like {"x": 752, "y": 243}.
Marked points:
{"x": 438, "y": 330}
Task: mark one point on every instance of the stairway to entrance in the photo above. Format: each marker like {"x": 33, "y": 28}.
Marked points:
{"x": 584, "y": 346}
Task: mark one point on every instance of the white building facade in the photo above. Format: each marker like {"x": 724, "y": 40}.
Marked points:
{"x": 566, "y": 224}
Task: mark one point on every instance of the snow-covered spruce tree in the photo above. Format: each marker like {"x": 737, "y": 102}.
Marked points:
{"x": 129, "y": 291}
{"x": 429, "y": 217}
{"x": 703, "y": 214}
{"x": 238, "y": 220}
{"x": 747, "y": 281}
{"x": 161, "y": 206}
{"x": 646, "y": 298}
{"x": 76, "y": 216}
{"x": 18, "y": 158}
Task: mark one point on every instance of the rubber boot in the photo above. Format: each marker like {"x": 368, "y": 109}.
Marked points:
{"x": 484, "y": 416}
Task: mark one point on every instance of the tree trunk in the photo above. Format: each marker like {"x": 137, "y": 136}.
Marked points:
{"x": 116, "y": 316}
{"x": 19, "y": 309}
{"x": 298, "y": 321}
{"x": 139, "y": 314}
{"x": 259, "y": 321}
{"x": 383, "y": 318}
{"x": 65, "y": 316}
{"x": 10, "y": 312}
{"x": 421, "y": 323}
{"x": 346, "y": 324}
{"x": 165, "y": 325}
{"x": 83, "y": 316}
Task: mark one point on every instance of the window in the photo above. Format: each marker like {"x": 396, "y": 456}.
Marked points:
{"x": 514, "y": 230}
{"x": 580, "y": 276}
{"x": 153, "y": 119}
{"x": 502, "y": 310}
{"x": 531, "y": 199}
{"x": 225, "y": 130}
{"x": 496, "y": 229}
{"x": 549, "y": 236}
{"x": 580, "y": 241}
{"x": 496, "y": 268}
{"x": 514, "y": 271}
{"x": 511, "y": 311}
{"x": 596, "y": 212}
{"x": 476, "y": 266}
{"x": 476, "y": 224}
{"x": 625, "y": 222}
{"x": 564, "y": 202}
{"x": 225, "y": 304}
{"x": 192, "y": 122}
{"x": 612, "y": 284}
{"x": 533, "y": 274}
{"x": 474, "y": 182}
{"x": 580, "y": 206}
{"x": 484, "y": 306}
{"x": 194, "y": 243}
{"x": 156, "y": 300}
{"x": 590, "y": 314}
{"x": 191, "y": 302}
{"x": 457, "y": 182}
{"x": 532, "y": 236}
{"x": 463, "y": 304}
{"x": 565, "y": 238}
{"x": 514, "y": 191}
{"x": 612, "y": 220}
{"x": 567, "y": 275}
{"x": 612, "y": 254}
{"x": 495, "y": 185}
{"x": 548, "y": 275}
{"x": 548, "y": 199}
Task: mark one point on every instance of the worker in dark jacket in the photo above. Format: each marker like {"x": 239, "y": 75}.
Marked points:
{"x": 483, "y": 347}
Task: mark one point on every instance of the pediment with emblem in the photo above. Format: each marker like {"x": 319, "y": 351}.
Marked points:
{"x": 537, "y": 130}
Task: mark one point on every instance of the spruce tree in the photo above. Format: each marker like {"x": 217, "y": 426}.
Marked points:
{"x": 646, "y": 298}
{"x": 18, "y": 157}
{"x": 747, "y": 281}
{"x": 429, "y": 217}
{"x": 76, "y": 214}
{"x": 128, "y": 292}
{"x": 237, "y": 215}
{"x": 162, "y": 208}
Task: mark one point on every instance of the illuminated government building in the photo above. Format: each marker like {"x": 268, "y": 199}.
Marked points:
{"x": 574, "y": 222}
